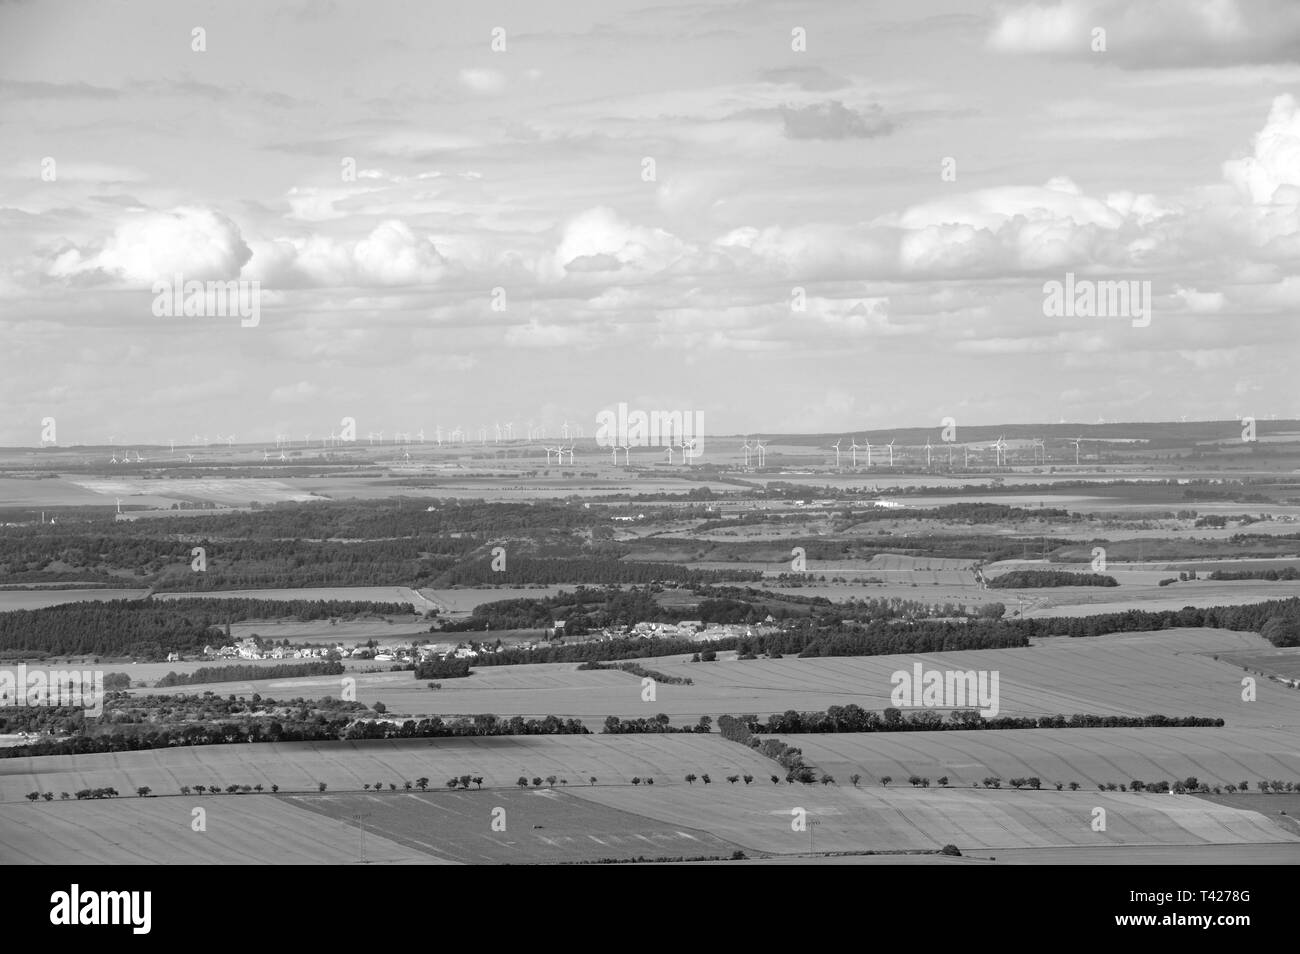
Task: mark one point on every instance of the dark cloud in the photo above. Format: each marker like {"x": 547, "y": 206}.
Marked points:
{"x": 834, "y": 120}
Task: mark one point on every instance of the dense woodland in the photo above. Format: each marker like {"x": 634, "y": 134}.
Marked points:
{"x": 209, "y": 674}
{"x": 1026, "y": 579}
{"x": 151, "y": 628}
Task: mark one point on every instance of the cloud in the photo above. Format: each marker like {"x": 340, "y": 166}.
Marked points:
{"x": 1275, "y": 160}
{"x": 482, "y": 81}
{"x": 200, "y": 243}
{"x": 598, "y": 240}
{"x": 1154, "y": 34}
{"x": 834, "y": 120}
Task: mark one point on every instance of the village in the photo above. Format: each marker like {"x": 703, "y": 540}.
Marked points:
{"x": 254, "y": 647}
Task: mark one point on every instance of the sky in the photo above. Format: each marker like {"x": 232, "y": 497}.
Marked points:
{"x": 787, "y": 217}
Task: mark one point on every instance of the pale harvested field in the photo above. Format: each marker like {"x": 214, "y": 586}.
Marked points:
{"x": 241, "y": 830}
{"x": 38, "y": 599}
{"x": 347, "y": 766}
{"x": 46, "y": 492}
{"x": 759, "y": 816}
{"x": 230, "y": 491}
{"x": 1216, "y": 756}
{"x": 1090, "y": 601}
{"x": 1171, "y": 672}
{"x": 377, "y": 594}
{"x": 463, "y": 600}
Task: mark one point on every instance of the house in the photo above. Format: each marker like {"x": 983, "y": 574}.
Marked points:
{"x": 176, "y": 657}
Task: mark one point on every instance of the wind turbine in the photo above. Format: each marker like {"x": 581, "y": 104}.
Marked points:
{"x": 1040, "y": 450}
{"x": 510, "y": 430}
{"x": 571, "y": 447}
{"x": 853, "y": 450}
{"x": 890, "y": 445}
{"x": 998, "y": 447}
{"x": 482, "y": 434}
{"x": 868, "y": 443}
{"x": 1076, "y": 442}
{"x": 669, "y": 449}
{"x": 762, "y": 452}
{"x": 615, "y": 450}
{"x": 627, "y": 455}
{"x": 119, "y": 504}
{"x": 927, "y": 453}
{"x": 230, "y": 440}
{"x": 266, "y": 455}
{"x": 171, "y": 445}
{"x": 564, "y": 429}
{"x": 747, "y": 449}
{"x": 836, "y": 448}
{"x": 189, "y": 458}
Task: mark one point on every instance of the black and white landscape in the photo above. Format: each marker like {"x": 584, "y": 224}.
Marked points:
{"x": 566, "y": 433}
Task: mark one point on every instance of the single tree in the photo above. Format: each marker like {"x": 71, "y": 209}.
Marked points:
{"x": 521, "y": 782}
{"x": 143, "y": 790}
{"x": 551, "y": 780}
{"x": 885, "y": 780}
{"x": 748, "y": 778}
{"x": 690, "y": 779}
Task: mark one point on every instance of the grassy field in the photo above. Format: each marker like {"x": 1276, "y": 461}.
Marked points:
{"x": 14, "y": 599}
{"x": 1279, "y": 662}
{"x": 1171, "y": 672}
{"x": 241, "y": 830}
{"x": 760, "y": 817}
{"x": 348, "y": 766}
{"x": 377, "y": 594}
{"x": 540, "y": 826}
{"x": 1086, "y": 756}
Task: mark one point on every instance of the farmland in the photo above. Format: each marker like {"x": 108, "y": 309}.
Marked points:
{"x": 348, "y": 766}
{"x": 1169, "y": 672}
{"x": 873, "y": 819}
{"x": 534, "y": 827}
{"x": 1087, "y": 756}
{"x": 358, "y": 526}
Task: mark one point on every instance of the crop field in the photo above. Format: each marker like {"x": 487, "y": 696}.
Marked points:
{"x": 842, "y": 818}
{"x": 46, "y": 492}
{"x": 1278, "y": 662}
{"x": 540, "y": 826}
{"x": 376, "y": 594}
{"x": 230, "y": 491}
{"x": 1090, "y": 601}
{"x": 17, "y": 599}
{"x": 1216, "y": 756}
{"x": 348, "y": 766}
{"x": 1171, "y": 672}
{"x": 242, "y": 830}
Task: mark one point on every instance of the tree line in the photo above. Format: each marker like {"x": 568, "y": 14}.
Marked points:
{"x": 152, "y": 628}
